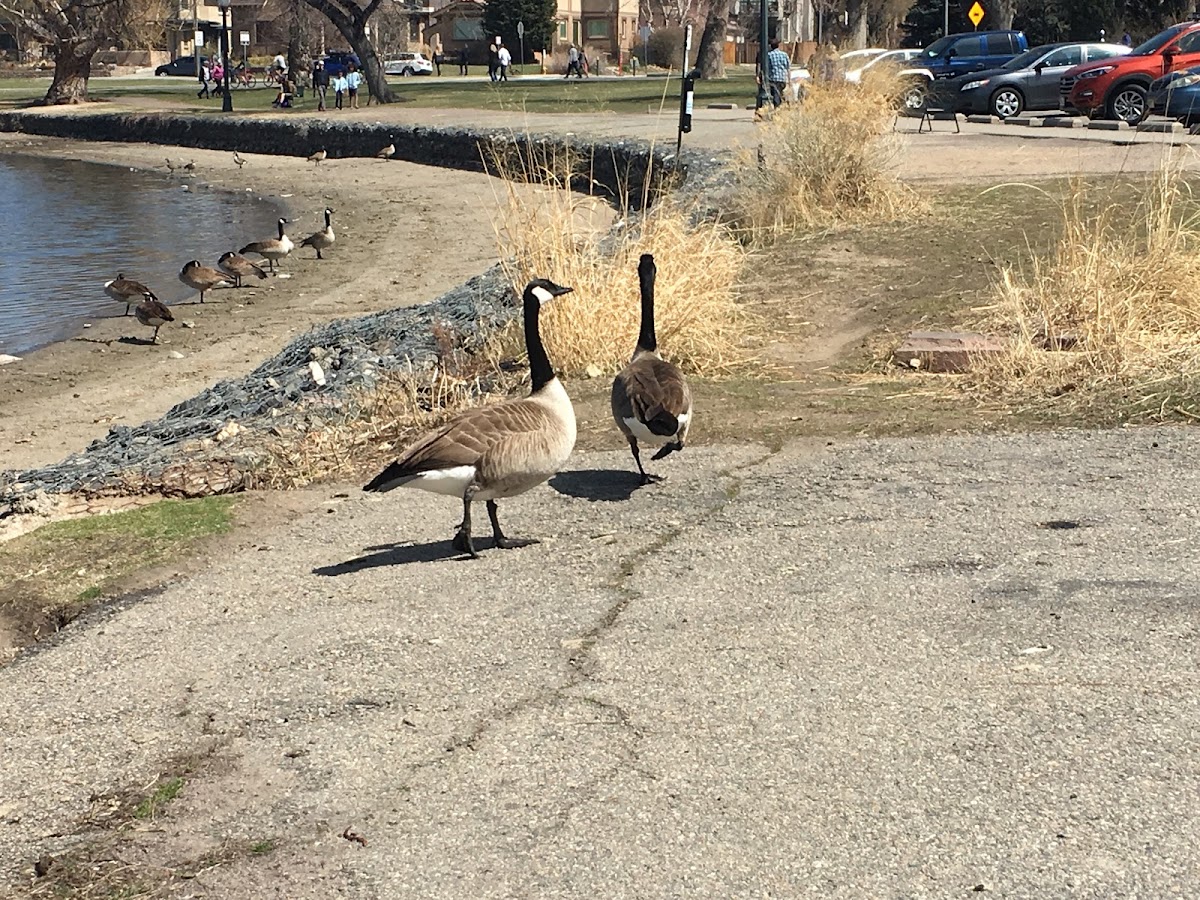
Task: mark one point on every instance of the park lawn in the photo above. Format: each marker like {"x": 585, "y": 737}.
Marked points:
{"x": 533, "y": 94}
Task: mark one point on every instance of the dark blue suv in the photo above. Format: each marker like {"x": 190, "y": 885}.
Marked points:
{"x": 957, "y": 54}
{"x": 338, "y": 61}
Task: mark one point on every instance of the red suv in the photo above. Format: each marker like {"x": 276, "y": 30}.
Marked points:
{"x": 1116, "y": 88}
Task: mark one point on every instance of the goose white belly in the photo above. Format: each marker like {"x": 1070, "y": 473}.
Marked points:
{"x": 639, "y": 430}
{"x": 283, "y": 247}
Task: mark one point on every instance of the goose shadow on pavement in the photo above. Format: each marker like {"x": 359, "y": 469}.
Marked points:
{"x": 607, "y": 485}
{"x": 395, "y": 555}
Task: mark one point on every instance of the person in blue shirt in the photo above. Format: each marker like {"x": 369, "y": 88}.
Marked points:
{"x": 340, "y": 86}
{"x": 354, "y": 78}
{"x": 779, "y": 67}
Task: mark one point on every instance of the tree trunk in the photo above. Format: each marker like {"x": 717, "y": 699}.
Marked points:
{"x": 372, "y": 65}
{"x": 295, "y": 50}
{"x": 710, "y": 58}
{"x": 1005, "y": 10}
{"x": 72, "y": 68}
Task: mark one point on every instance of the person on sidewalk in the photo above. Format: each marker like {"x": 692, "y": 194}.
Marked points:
{"x": 493, "y": 63}
{"x": 573, "y": 62}
{"x": 438, "y": 59}
{"x": 205, "y": 73}
{"x": 340, "y": 86}
{"x": 504, "y": 59}
{"x": 354, "y": 79}
{"x": 320, "y": 80}
{"x": 463, "y": 62}
{"x": 779, "y": 67}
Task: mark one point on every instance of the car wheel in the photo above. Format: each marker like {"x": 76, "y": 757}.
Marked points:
{"x": 915, "y": 97}
{"x": 407, "y": 73}
{"x": 1007, "y": 102}
{"x": 1128, "y": 104}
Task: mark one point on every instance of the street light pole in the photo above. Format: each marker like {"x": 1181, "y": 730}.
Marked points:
{"x": 763, "y": 97}
{"x": 227, "y": 100}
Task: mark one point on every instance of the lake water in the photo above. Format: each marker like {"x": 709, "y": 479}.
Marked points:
{"x": 71, "y": 226}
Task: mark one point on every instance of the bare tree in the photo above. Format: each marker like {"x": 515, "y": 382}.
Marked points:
{"x": 76, "y": 29}
{"x": 351, "y": 20}
{"x": 710, "y": 56}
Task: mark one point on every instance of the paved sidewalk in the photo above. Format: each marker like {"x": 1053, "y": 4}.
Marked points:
{"x": 896, "y": 668}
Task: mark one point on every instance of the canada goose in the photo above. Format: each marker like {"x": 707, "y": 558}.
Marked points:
{"x": 170, "y": 166}
{"x": 389, "y": 151}
{"x": 318, "y": 156}
{"x": 123, "y": 290}
{"x": 499, "y": 451}
{"x": 202, "y": 278}
{"x": 239, "y": 267}
{"x": 191, "y": 166}
{"x": 650, "y": 396}
{"x": 153, "y": 314}
{"x": 237, "y": 159}
{"x": 271, "y": 250}
{"x": 324, "y": 238}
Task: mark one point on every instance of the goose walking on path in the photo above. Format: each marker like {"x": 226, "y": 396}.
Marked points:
{"x": 389, "y": 151}
{"x": 153, "y": 314}
{"x": 318, "y": 156}
{"x": 238, "y": 160}
{"x": 238, "y": 267}
{"x": 202, "y": 278}
{"x": 271, "y": 250}
{"x": 651, "y": 400}
{"x": 126, "y": 291}
{"x": 324, "y": 238}
{"x": 494, "y": 452}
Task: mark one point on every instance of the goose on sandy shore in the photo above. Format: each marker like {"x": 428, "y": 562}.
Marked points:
{"x": 651, "y": 400}
{"x": 318, "y": 156}
{"x": 203, "y": 278}
{"x": 323, "y": 239}
{"x": 238, "y": 267}
{"x": 153, "y": 314}
{"x": 498, "y": 451}
{"x": 272, "y": 250}
{"x": 238, "y": 160}
{"x": 389, "y": 151}
{"x": 127, "y": 291}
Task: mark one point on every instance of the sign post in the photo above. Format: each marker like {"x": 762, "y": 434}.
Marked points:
{"x": 687, "y": 92}
{"x": 245, "y": 36}
{"x": 521, "y": 35}
{"x": 975, "y": 14}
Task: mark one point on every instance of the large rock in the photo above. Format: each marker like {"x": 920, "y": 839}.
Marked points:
{"x": 943, "y": 351}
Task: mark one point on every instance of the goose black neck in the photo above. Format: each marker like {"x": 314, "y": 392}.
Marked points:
{"x": 281, "y": 229}
{"x": 540, "y": 371}
{"x": 328, "y": 217}
{"x": 647, "y": 339}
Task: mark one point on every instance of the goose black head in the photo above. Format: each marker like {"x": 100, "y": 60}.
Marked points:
{"x": 544, "y": 290}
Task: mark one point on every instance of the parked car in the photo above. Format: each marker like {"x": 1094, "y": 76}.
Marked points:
{"x": 954, "y": 55}
{"x": 1177, "y": 95}
{"x": 408, "y": 64}
{"x": 1117, "y": 88}
{"x": 184, "y": 65}
{"x": 860, "y": 67}
{"x": 1027, "y": 82}
{"x": 338, "y": 61}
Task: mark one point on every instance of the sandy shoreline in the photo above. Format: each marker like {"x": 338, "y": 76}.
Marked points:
{"x": 406, "y": 233}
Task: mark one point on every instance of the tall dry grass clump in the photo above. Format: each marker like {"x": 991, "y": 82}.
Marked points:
{"x": 826, "y": 160}
{"x": 583, "y": 242}
{"x": 1110, "y": 321}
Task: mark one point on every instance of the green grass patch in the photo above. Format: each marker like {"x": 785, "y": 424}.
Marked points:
{"x": 161, "y": 796}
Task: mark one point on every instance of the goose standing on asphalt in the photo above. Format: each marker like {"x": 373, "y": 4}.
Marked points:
{"x": 272, "y": 250}
{"x": 202, "y": 278}
{"x": 499, "y": 451}
{"x": 126, "y": 291}
{"x": 318, "y": 156}
{"x": 650, "y": 397}
{"x": 153, "y": 314}
{"x": 389, "y": 151}
{"x": 238, "y": 267}
{"x": 324, "y": 238}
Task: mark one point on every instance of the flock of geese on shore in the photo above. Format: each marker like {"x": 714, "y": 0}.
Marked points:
{"x": 231, "y": 268}
{"x": 493, "y": 452}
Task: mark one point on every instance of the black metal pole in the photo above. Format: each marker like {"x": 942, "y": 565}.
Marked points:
{"x": 227, "y": 100}
{"x": 764, "y": 98}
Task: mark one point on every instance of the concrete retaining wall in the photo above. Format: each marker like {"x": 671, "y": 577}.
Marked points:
{"x": 619, "y": 168}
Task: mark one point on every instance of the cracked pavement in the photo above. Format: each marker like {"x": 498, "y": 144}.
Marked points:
{"x": 892, "y": 668}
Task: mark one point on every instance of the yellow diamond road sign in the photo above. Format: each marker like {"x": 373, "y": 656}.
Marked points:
{"x": 975, "y": 14}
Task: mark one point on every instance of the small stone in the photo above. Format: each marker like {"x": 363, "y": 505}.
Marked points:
{"x": 593, "y": 371}
{"x": 318, "y": 374}
{"x": 317, "y": 353}
{"x": 187, "y": 324}
{"x": 5, "y": 359}
{"x": 230, "y": 430}
{"x": 175, "y": 354}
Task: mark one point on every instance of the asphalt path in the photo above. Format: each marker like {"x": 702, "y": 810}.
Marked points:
{"x": 903, "y": 668}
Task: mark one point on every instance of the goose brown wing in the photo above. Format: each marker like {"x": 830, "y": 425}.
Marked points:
{"x": 465, "y": 439}
{"x": 654, "y": 392}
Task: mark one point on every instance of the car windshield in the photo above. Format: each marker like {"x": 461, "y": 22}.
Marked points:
{"x": 1028, "y": 58}
{"x": 1157, "y": 42}
{"x": 938, "y": 47}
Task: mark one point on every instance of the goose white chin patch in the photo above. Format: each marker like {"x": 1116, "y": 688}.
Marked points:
{"x": 543, "y": 295}
{"x": 452, "y": 482}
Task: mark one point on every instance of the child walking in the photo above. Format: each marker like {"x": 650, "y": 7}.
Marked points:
{"x": 340, "y": 86}
{"x": 353, "y": 80}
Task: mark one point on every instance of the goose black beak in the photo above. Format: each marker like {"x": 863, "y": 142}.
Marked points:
{"x": 558, "y": 290}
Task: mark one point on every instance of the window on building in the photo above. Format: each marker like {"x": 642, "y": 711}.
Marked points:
{"x": 562, "y": 31}
{"x": 597, "y": 28}
{"x": 468, "y": 30}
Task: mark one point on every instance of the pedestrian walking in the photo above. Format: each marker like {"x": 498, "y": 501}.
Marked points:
{"x": 354, "y": 78}
{"x": 493, "y": 63}
{"x": 573, "y": 62}
{"x": 204, "y": 74}
{"x": 340, "y": 86}
{"x": 463, "y": 62}
{"x": 583, "y": 65}
{"x": 320, "y": 80}
{"x": 779, "y": 67}
{"x": 438, "y": 59}
{"x": 504, "y": 58}
{"x": 218, "y": 74}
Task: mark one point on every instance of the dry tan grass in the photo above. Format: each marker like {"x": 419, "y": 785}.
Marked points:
{"x": 568, "y": 238}
{"x": 1121, "y": 294}
{"x": 825, "y": 161}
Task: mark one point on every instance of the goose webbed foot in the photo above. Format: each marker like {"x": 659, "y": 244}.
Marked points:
{"x": 463, "y": 544}
{"x": 651, "y": 479}
{"x": 501, "y": 541}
